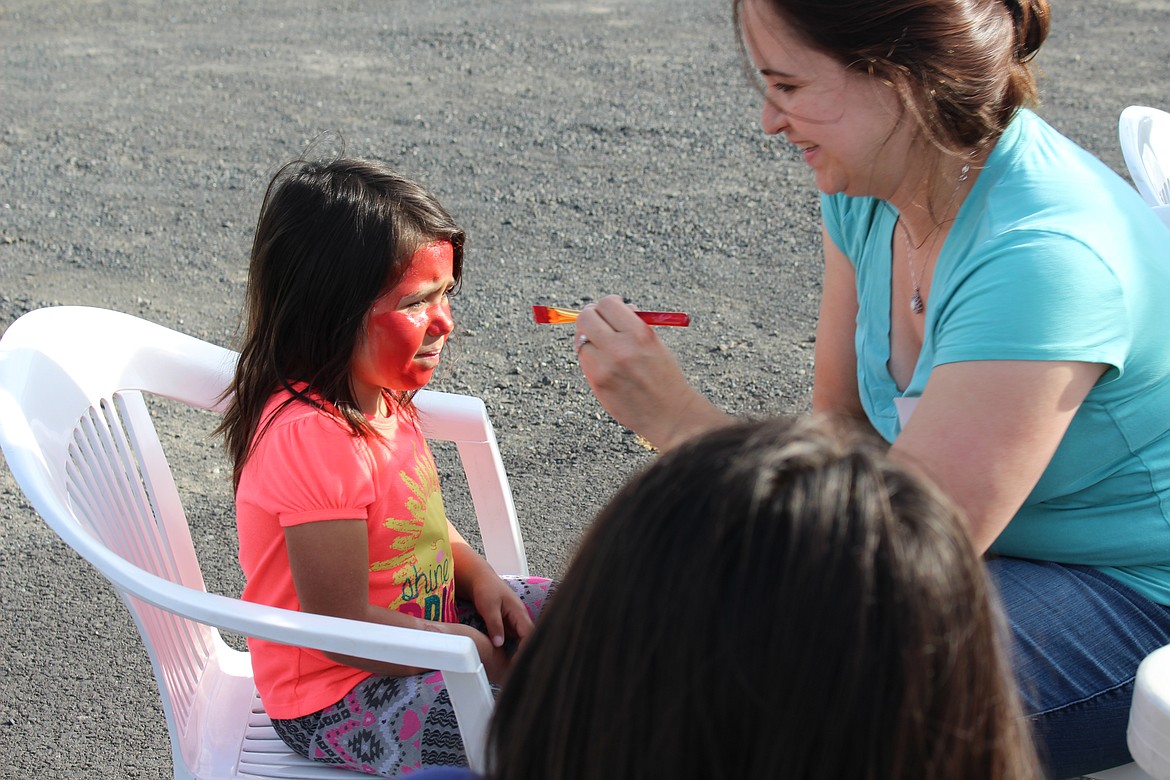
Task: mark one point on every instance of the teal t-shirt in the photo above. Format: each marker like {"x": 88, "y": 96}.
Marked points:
{"x": 1052, "y": 257}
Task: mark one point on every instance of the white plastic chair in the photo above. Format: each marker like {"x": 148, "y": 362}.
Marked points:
{"x": 1149, "y": 716}
{"x": 1145, "y": 144}
{"x": 78, "y": 437}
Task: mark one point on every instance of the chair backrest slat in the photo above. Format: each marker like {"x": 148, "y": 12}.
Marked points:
{"x": 119, "y": 511}
{"x": 179, "y": 649}
{"x": 93, "y": 492}
{"x": 117, "y": 500}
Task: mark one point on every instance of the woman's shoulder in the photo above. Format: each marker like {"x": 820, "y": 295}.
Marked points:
{"x": 1037, "y": 171}
{"x": 850, "y": 221}
{"x": 851, "y": 209}
{"x": 1041, "y": 188}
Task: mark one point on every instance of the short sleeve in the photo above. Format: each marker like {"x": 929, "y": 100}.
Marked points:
{"x": 1035, "y": 296}
{"x": 307, "y": 469}
{"x": 848, "y": 222}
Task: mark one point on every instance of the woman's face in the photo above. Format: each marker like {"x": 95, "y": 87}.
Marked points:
{"x": 406, "y": 329}
{"x": 847, "y": 123}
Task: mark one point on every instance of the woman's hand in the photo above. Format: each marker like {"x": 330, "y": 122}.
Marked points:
{"x": 636, "y": 378}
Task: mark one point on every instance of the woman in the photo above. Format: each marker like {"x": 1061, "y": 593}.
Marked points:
{"x": 991, "y": 278}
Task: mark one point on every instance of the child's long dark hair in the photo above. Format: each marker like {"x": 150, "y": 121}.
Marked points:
{"x": 777, "y": 600}
{"x": 331, "y": 238}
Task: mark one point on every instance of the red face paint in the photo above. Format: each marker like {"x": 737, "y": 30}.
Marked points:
{"x": 407, "y": 328}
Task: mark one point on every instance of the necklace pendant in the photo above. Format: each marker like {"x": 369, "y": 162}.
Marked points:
{"x": 916, "y": 304}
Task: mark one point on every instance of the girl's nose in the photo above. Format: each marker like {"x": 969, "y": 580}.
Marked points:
{"x": 772, "y": 119}
{"x": 442, "y": 322}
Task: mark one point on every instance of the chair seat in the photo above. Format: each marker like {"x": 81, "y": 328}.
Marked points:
{"x": 234, "y": 738}
{"x": 264, "y": 754}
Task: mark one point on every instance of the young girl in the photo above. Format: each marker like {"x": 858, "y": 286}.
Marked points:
{"x": 337, "y": 497}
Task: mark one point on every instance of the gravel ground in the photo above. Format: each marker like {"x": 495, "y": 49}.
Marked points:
{"x": 586, "y": 148}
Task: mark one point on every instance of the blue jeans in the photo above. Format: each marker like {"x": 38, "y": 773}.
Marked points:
{"x": 1078, "y": 637}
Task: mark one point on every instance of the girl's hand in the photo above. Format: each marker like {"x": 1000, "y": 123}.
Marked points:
{"x": 495, "y": 660}
{"x": 636, "y": 378}
{"x": 504, "y": 614}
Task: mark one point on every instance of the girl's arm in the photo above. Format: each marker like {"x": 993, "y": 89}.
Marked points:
{"x": 986, "y": 430}
{"x": 835, "y": 369}
{"x": 503, "y": 613}
{"x": 330, "y": 564}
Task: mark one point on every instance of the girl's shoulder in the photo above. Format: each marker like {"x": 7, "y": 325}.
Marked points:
{"x": 857, "y": 225}
{"x": 285, "y": 407}
{"x": 292, "y": 420}
{"x": 305, "y": 415}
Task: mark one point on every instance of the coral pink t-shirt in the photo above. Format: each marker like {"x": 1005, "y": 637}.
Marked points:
{"x": 306, "y": 467}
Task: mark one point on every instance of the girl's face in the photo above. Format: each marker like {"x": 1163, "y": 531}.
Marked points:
{"x": 847, "y": 123}
{"x": 406, "y": 329}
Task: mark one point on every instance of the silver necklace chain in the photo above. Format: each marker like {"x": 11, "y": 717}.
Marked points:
{"x": 917, "y": 305}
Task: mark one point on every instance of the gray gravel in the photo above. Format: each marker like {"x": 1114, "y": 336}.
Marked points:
{"x": 587, "y": 149}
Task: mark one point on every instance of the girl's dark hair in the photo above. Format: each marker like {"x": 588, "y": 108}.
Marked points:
{"x": 768, "y": 600}
{"x": 331, "y": 238}
{"x": 962, "y": 67}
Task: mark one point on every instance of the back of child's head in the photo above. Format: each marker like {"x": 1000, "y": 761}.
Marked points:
{"x": 773, "y": 599}
{"x": 330, "y": 239}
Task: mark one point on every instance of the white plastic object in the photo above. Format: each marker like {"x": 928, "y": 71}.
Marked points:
{"x": 78, "y": 438}
{"x": 1144, "y": 134}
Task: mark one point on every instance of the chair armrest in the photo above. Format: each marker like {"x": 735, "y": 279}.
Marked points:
{"x": 463, "y": 419}
{"x": 390, "y": 644}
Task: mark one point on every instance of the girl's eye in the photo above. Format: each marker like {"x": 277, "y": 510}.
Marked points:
{"x": 782, "y": 88}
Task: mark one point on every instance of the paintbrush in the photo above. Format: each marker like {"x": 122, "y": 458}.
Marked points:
{"x": 554, "y": 315}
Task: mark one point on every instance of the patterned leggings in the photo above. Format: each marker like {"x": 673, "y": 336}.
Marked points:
{"x": 389, "y": 726}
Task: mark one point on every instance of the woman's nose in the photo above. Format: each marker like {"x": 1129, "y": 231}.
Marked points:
{"x": 772, "y": 119}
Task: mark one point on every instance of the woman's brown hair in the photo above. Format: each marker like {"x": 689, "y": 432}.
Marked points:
{"x": 962, "y": 67}
{"x": 769, "y": 600}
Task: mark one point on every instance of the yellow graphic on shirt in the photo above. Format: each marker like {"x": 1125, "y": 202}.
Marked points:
{"x": 425, "y": 580}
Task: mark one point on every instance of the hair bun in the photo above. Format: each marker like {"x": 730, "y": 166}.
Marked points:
{"x": 1031, "y": 19}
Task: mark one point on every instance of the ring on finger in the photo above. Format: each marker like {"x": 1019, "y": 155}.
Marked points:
{"x": 580, "y": 341}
